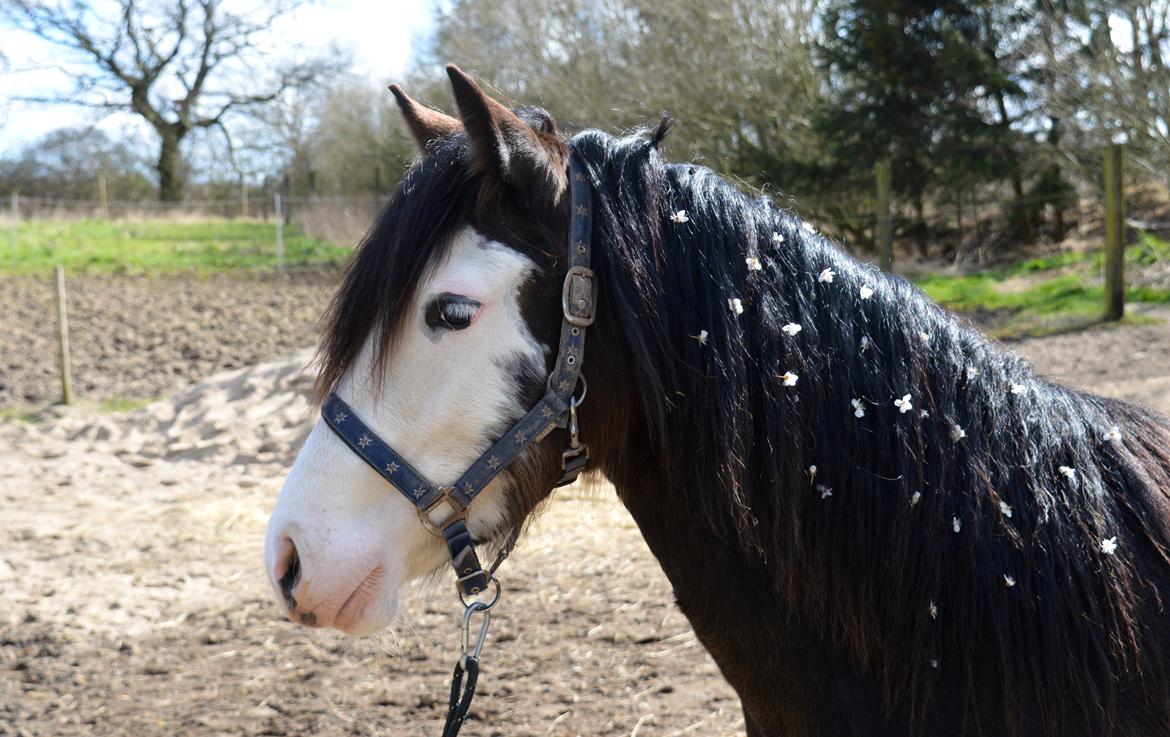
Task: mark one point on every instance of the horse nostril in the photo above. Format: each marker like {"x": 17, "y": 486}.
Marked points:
{"x": 292, "y": 574}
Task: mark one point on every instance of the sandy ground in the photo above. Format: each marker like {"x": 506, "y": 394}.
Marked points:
{"x": 134, "y": 600}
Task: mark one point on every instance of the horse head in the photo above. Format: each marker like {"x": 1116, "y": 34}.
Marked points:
{"x": 442, "y": 335}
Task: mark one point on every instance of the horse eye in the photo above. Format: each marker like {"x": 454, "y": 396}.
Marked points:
{"x": 451, "y": 311}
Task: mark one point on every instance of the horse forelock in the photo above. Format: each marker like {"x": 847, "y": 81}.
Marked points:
{"x": 441, "y": 193}
{"x": 961, "y": 517}
{"x": 412, "y": 233}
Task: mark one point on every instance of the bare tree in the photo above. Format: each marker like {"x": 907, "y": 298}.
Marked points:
{"x": 181, "y": 65}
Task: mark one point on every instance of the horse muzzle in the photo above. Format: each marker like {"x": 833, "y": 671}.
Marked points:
{"x": 346, "y": 586}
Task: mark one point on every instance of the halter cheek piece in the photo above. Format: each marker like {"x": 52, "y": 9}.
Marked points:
{"x": 446, "y": 506}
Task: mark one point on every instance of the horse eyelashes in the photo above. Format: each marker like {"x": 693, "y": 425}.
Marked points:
{"x": 451, "y": 311}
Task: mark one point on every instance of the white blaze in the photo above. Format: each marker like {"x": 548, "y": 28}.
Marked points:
{"x": 444, "y": 393}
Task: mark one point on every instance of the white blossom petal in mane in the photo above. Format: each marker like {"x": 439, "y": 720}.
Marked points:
{"x": 923, "y": 414}
{"x": 864, "y": 343}
{"x": 972, "y": 372}
{"x": 701, "y": 337}
{"x": 858, "y": 408}
{"x": 777, "y": 239}
{"x": 812, "y": 473}
{"x": 826, "y": 492}
{"x": 915, "y": 498}
{"x": 826, "y": 276}
{"x": 753, "y": 263}
{"x": 904, "y": 404}
{"x": 924, "y": 335}
{"x": 957, "y": 433}
{"x": 789, "y": 378}
{"x": 1018, "y": 388}
{"x": 933, "y": 610}
{"x": 1109, "y": 545}
{"x": 933, "y": 663}
{"x": 792, "y": 328}
{"x": 1009, "y": 581}
{"x": 1006, "y": 509}
{"x": 680, "y": 216}
{"x": 866, "y": 291}
{"x": 1112, "y": 435}
{"x": 956, "y": 524}
{"x": 735, "y": 305}
{"x": 808, "y": 228}
{"x": 1068, "y": 472}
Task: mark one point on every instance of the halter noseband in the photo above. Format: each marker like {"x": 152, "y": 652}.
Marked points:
{"x": 556, "y": 409}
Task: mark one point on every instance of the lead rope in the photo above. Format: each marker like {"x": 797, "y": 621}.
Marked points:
{"x": 468, "y": 665}
{"x": 466, "y": 675}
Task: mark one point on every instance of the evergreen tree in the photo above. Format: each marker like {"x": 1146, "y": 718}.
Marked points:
{"x": 921, "y": 85}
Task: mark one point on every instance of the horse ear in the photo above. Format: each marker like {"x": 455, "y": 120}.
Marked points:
{"x": 502, "y": 140}
{"x": 425, "y": 124}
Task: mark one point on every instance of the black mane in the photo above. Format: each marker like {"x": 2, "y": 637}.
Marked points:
{"x": 868, "y": 545}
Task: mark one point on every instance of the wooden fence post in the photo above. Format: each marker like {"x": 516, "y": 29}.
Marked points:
{"x": 243, "y": 196}
{"x": 278, "y": 218}
{"x": 103, "y": 197}
{"x": 885, "y": 226}
{"x": 63, "y": 339}
{"x": 15, "y": 225}
{"x": 1114, "y": 232}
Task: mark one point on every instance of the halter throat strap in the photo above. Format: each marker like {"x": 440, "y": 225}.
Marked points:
{"x": 446, "y": 506}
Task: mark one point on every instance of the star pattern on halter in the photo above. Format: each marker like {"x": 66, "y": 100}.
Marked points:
{"x": 365, "y": 440}
{"x": 546, "y": 413}
{"x": 392, "y": 468}
{"x": 521, "y": 437}
{"x": 493, "y": 463}
{"x": 340, "y": 417}
{"x": 418, "y": 492}
{"x": 582, "y": 210}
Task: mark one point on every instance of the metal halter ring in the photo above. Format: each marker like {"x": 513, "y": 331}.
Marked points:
{"x": 479, "y": 604}
{"x": 578, "y": 401}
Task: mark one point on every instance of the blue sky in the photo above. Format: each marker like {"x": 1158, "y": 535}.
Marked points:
{"x": 379, "y": 34}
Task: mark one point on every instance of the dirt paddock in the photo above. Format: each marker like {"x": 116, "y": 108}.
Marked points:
{"x": 134, "y": 599}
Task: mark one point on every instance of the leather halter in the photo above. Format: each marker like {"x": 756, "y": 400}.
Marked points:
{"x": 556, "y": 409}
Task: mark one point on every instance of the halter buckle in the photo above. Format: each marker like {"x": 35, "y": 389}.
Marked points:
{"x": 579, "y": 296}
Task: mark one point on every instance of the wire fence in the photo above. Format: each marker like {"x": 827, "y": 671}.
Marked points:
{"x": 333, "y": 218}
{"x": 968, "y": 226}
{"x": 314, "y": 227}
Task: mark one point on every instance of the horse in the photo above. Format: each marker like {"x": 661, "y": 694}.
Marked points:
{"x": 877, "y": 521}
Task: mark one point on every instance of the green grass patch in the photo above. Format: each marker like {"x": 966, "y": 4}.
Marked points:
{"x": 117, "y": 405}
{"x": 160, "y": 246}
{"x": 1043, "y": 295}
{"x": 19, "y": 414}
{"x": 108, "y": 406}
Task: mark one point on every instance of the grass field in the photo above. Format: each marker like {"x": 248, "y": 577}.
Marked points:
{"x": 1060, "y": 292}
{"x": 161, "y": 246}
